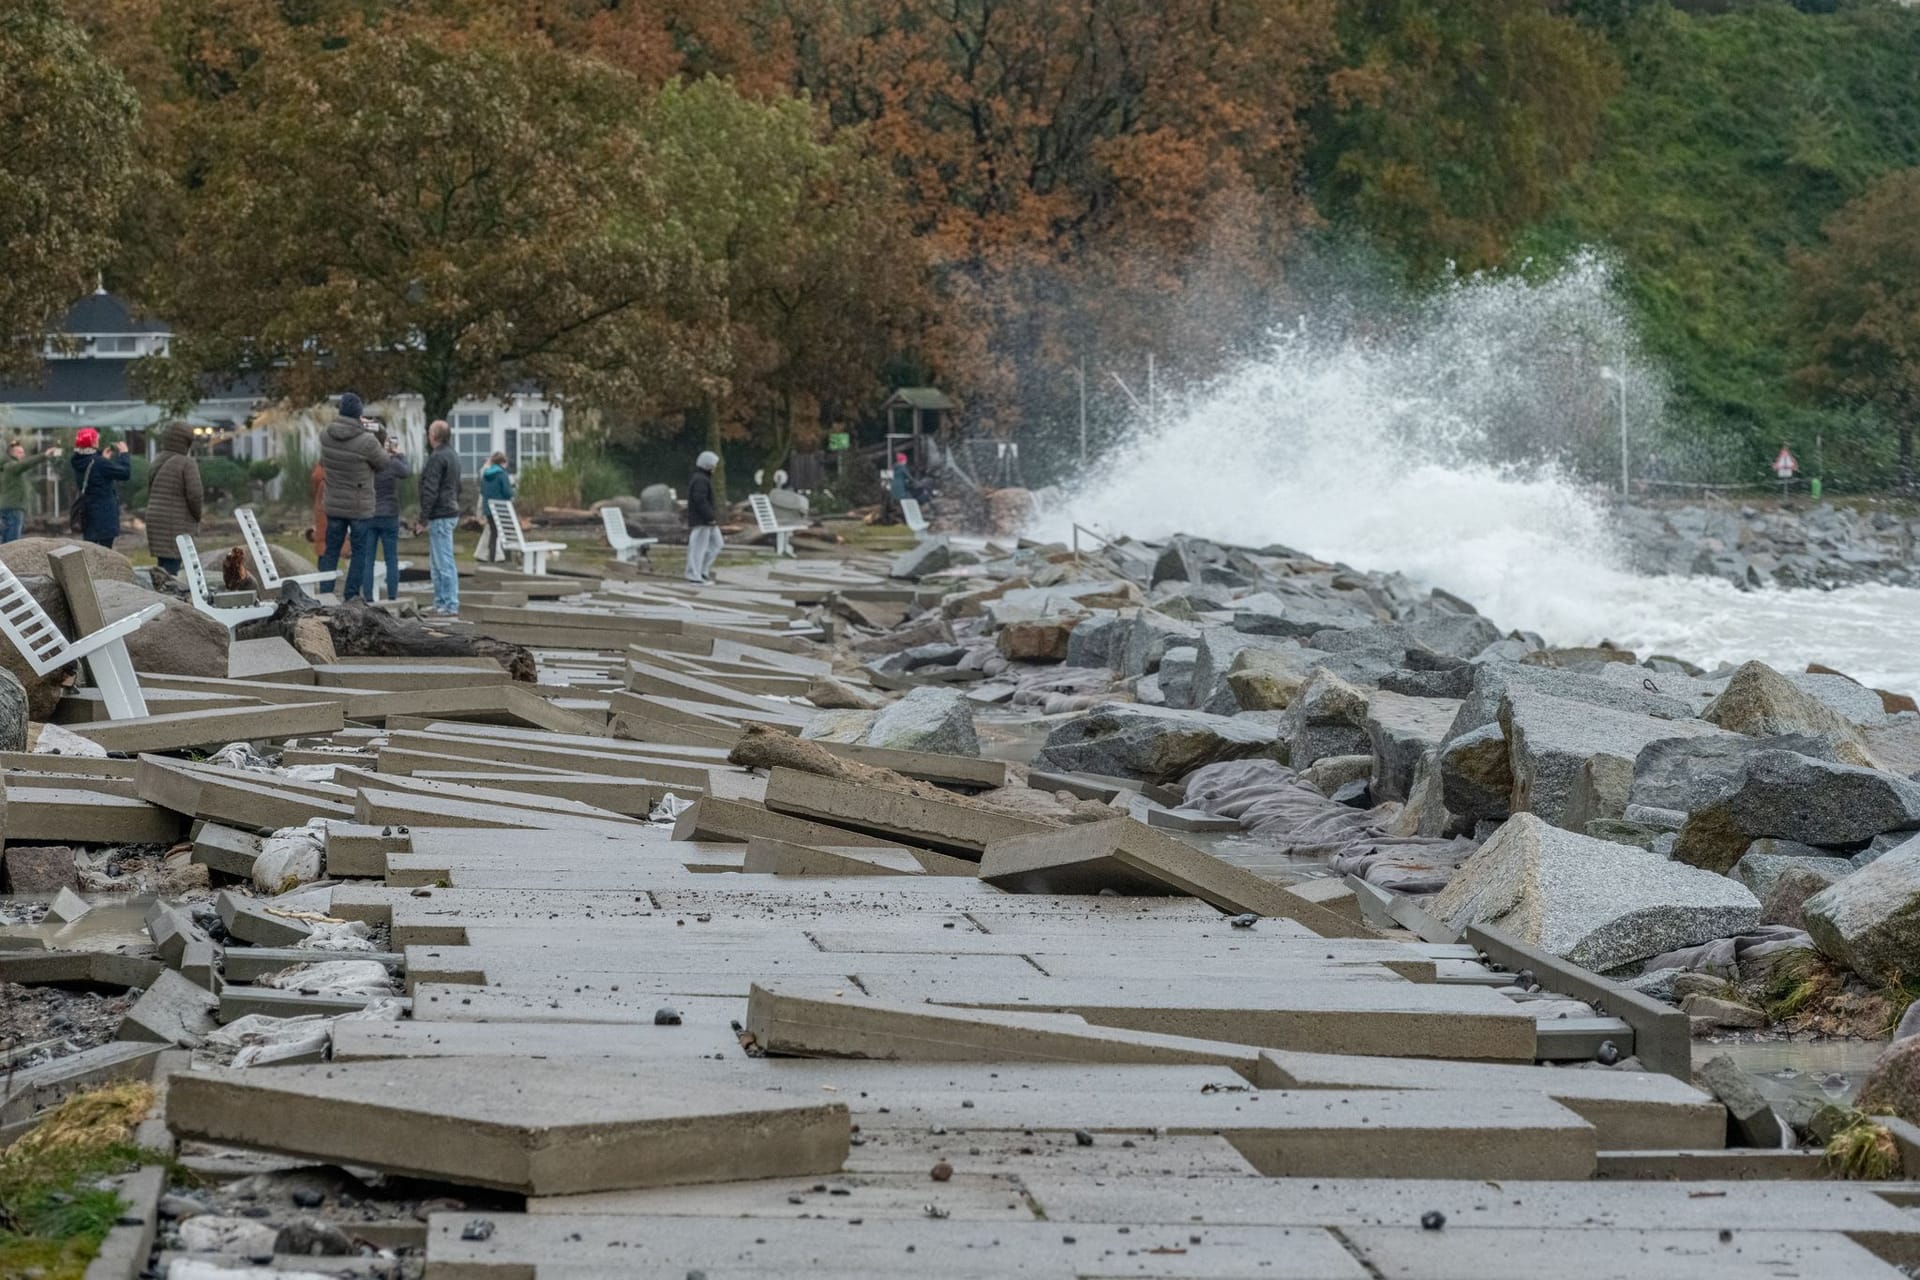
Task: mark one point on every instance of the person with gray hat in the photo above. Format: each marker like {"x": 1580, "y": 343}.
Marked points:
{"x": 703, "y": 521}
{"x": 352, "y": 456}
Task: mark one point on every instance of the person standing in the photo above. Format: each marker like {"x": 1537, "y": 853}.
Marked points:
{"x": 703, "y": 521}
{"x": 440, "y": 510}
{"x": 385, "y": 525}
{"x": 175, "y": 497}
{"x": 352, "y": 458}
{"x": 97, "y": 473}
{"x": 16, "y": 479}
{"x": 496, "y": 485}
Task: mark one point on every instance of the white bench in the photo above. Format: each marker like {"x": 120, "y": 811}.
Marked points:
{"x": 626, "y": 548}
{"x": 916, "y": 520}
{"x": 764, "y": 516}
{"x": 29, "y": 629}
{"x": 533, "y": 555}
{"x": 228, "y": 616}
{"x": 265, "y": 571}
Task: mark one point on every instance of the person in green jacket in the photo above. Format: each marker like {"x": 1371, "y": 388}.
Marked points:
{"x": 16, "y": 476}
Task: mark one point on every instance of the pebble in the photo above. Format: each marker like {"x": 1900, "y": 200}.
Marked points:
{"x": 1433, "y": 1220}
{"x": 666, "y": 1016}
{"x": 942, "y": 1172}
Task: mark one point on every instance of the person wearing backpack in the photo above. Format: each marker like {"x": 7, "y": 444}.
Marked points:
{"x": 175, "y": 497}
{"x": 97, "y": 472}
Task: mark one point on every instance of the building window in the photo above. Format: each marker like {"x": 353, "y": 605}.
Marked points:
{"x": 535, "y": 439}
{"x": 116, "y": 345}
{"x": 472, "y": 441}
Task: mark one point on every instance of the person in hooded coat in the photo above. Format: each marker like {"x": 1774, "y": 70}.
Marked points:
{"x": 703, "y": 521}
{"x": 353, "y": 456}
{"x": 175, "y": 497}
{"x": 97, "y": 475}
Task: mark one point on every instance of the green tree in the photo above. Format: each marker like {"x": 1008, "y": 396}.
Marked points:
{"x": 67, "y": 162}
{"x": 438, "y": 212}
{"x": 1453, "y": 122}
{"x": 1856, "y": 305}
{"x": 820, "y": 276}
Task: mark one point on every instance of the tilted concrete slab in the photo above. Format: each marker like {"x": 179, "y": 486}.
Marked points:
{"x": 225, "y": 849}
{"x": 713, "y": 818}
{"x": 946, "y": 826}
{"x": 982, "y": 1197}
{"x": 1628, "y": 1109}
{"x": 784, "y": 858}
{"x": 1150, "y": 1156}
{"x": 251, "y": 920}
{"x": 39, "y": 815}
{"x": 269, "y": 658}
{"x": 214, "y": 728}
{"x": 256, "y": 802}
{"x": 1132, "y": 858}
{"x": 694, "y": 1040}
{"x": 521, "y": 1125}
{"x": 171, "y": 1011}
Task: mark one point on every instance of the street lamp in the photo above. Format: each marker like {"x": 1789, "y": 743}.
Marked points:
{"x": 1620, "y": 381}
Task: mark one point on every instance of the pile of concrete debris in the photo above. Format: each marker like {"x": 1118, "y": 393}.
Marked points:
{"x": 1171, "y": 910}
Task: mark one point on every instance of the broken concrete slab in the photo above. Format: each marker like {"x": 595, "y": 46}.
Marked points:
{"x": 1751, "y": 1119}
{"x": 186, "y": 729}
{"x": 171, "y": 1011}
{"x": 227, "y": 850}
{"x": 1131, "y": 858}
{"x": 519, "y": 1125}
{"x": 251, "y": 920}
{"x": 67, "y": 907}
{"x": 946, "y": 826}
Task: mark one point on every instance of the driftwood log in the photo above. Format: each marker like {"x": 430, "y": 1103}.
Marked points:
{"x": 361, "y": 631}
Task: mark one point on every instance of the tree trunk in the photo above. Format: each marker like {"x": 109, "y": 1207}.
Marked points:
{"x": 1906, "y": 455}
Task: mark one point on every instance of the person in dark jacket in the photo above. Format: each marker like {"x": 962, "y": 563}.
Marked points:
{"x": 385, "y": 524}
{"x": 440, "y": 511}
{"x": 174, "y": 497}
{"x": 496, "y": 485}
{"x": 703, "y": 521}
{"x": 17, "y": 474}
{"x": 353, "y": 457}
{"x": 97, "y": 473}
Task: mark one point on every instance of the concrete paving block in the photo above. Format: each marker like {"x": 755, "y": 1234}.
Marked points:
{"x": 928, "y": 766}
{"x": 1742, "y": 1164}
{"x": 30, "y": 1090}
{"x": 903, "y": 1196}
{"x": 531, "y": 1127}
{"x": 1190, "y": 820}
{"x": 269, "y": 658}
{"x": 228, "y": 850}
{"x": 784, "y": 858}
{"x": 356, "y": 849}
{"x": 1154, "y": 1158}
{"x": 1628, "y": 1109}
{"x": 239, "y": 1001}
{"x": 949, "y": 827}
{"x": 250, "y": 920}
{"x": 124, "y": 1251}
{"x": 1130, "y": 858}
{"x": 582, "y": 1247}
{"x": 712, "y": 818}
{"x": 803, "y": 1020}
{"x": 1410, "y": 1253}
{"x": 172, "y": 1011}
{"x": 186, "y": 729}
{"x": 67, "y": 906}
{"x": 39, "y": 815}
{"x": 697, "y": 1041}
{"x": 250, "y": 964}
{"x": 79, "y": 968}
{"x": 254, "y": 802}
{"x": 386, "y": 807}
{"x": 172, "y": 931}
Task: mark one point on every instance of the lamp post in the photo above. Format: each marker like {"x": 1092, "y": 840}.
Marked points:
{"x": 1079, "y": 372}
{"x": 1619, "y": 380}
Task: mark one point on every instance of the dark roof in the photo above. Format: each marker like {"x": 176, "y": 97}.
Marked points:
{"x": 920, "y": 398}
{"x": 105, "y": 313}
{"x": 74, "y": 382}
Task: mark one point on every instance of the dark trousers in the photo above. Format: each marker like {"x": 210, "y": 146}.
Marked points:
{"x": 170, "y": 563}
{"x": 383, "y": 534}
{"x": 342, "y": 532}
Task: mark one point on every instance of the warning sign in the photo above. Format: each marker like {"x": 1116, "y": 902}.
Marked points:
{"x": 1786, "y": 466}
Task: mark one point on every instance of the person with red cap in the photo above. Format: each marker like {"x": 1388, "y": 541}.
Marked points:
{"x": 97, "y": 475}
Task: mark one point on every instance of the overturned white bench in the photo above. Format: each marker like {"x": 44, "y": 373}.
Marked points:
{"x": 195, "y": 571}
{"x": 265, "y": 571}
{"x": 533, "y": 555}
{"x": 104, "y": 648}
{"x": 626, "y": 548}
{"x": 763, "y": 515}
{"x": 915, "y": 518}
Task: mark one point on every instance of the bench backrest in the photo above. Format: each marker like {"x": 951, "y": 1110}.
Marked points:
{"x": 615, "y": 521}
{"x": 763, "y": 512}
{"x": 258, "y": 551}
{"x": 910, "y": 509}
{"x": 194, "y": 571}
{"x": 27, "y": 625}
{"x": 507, "y": 521}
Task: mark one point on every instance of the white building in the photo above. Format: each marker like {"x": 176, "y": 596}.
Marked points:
{"x": 528, "y": 428}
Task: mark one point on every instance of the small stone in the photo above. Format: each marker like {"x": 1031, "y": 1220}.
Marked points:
{"x": 1082, "y": 1137}
{"x": 1432, "y": 1220}
{"x": 1246, "y": 920}
{"x": 666, "y": 1016}
{"x": 1609, "y": 1053}
{"x": 942, "y": 1172}
{"x": 307, "y": 1198}
{"x": 478, "y": 1229}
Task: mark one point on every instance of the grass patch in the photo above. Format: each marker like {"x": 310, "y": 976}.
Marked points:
{"x": 1799, "y": 983}
{"x": 53, "y": 1210}
{"x": 1864, "y": 1151}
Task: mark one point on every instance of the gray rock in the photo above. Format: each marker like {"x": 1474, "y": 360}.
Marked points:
{"x": 1552, "y": 741}
{"x": 1849, "y": 699}
{"x": 13, "y": 713}
{"x": 1176, "y": 675}
{"x": 1330, "y": 773}
{"x": 1399, "y": 731}
{"x": 1261, "y": 678}
{"x": 1297, "y": 616}
{"x": 1151, "y": 743}
{"x": 1765, "y": 861}
{"x": 1476, "y": 776}
{"x": 1149, "y": 635}
{"x": 1599, "y": 905}
{"x": 1750, "y": 1120}
{"x": 1091, "y": 644}
{"x": 38, "y": 870}
{"x": 930, "y": 556}
{"x": 1786, "y": 899}
{"x": 1620, "y": 831}
{"x": 1686, "y": 773}
{"x": 1870, "y": 921}
{"x": 849, "y": 725}
{"x": 1328, "y": 718}
{"x": 927, "y": 719}
{"x": 1492, "y": 682}
{"x": 1795, "y": 797}
{"x": 1647, "y": 815}
{"x": 1761, "y": 703}
{"x": 656, "y": 498}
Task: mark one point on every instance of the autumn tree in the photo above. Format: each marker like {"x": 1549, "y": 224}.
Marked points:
{"x": 435, "y": 212}
{"x": 820, "y": 278}
{"x": 66, "y": 164}
{"x": 1452, "y": 122}
{"x": 1857, "y": 306}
